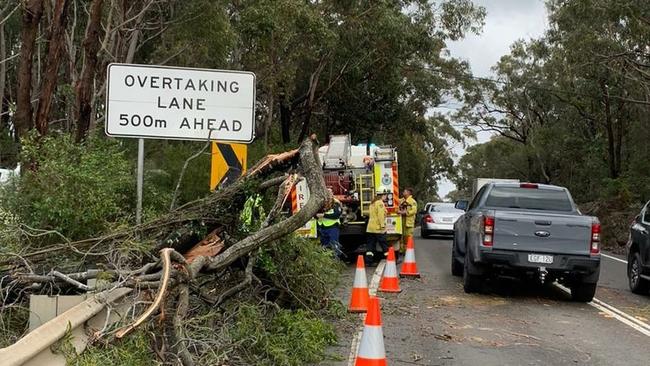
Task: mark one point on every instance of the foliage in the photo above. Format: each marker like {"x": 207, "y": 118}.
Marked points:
{"x": 304, "y": 269}
{"x": 75, "y": 189}
{"x": 289, "y": 338}
{"x": 10, "y": 237}
{"x": 134, "y": 350}
{"x": 14, "y": 321}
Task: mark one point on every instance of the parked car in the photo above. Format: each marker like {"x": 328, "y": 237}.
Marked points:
{"x": 525, "y": 229}
{"x": 439, "y": 218}
{"x": 638, "y": 252}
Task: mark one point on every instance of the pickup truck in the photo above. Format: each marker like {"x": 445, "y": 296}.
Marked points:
{"x": 526, "y": 229}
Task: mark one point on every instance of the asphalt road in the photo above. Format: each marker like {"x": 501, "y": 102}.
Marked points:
{"x": 433, "y": 322}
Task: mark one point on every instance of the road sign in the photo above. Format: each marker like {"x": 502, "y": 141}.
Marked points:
{"x": 228, "y": 163}
{"x": 180, "y": 103}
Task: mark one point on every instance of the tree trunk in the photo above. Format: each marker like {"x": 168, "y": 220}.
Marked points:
{"x": 56, "y": 43}
{"x": 32, "y": 12}
{"x": 269, "y": 118}
{"x": 84, "y": 87}
{"x": 611, "y": 143}
{"x": 285, "y": 119}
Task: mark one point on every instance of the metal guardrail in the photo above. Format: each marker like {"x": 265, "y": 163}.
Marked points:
{"x": 34, "y": 348}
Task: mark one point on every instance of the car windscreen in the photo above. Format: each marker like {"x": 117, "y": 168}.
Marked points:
{"x": 443, "y": 208}
{"x": 529, "y": 198}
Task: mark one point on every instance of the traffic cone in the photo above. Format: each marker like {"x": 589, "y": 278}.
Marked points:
{"x": 409, "y": 268}
{"x": 389, "y": 281}
{"x": 371, "y": 348}
{"x": 359, "y": 299}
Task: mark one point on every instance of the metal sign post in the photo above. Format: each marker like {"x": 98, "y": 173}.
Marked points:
{"x": 160, "y": 102}
{"x": 140, "y": 182}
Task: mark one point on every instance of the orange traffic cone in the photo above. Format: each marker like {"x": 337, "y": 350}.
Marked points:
{"x": 389, "y": 281}
{"x": 409, "y": 268}
{"x": 371, "y": 348}
{"x": 359, "y": 299}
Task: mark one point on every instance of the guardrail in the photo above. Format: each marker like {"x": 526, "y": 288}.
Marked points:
{"x": 34, "y": 348}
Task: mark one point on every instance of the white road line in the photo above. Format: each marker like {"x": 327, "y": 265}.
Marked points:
{"x": 617, "y": 314}
{"x": 614, "y": 258}
{"x": 372, "y": 290}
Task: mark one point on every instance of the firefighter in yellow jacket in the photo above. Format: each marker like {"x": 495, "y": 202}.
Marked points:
{"x": 408, "y": 208}
{"x": 376, "y": 230}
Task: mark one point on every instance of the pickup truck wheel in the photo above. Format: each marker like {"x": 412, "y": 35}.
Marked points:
{"x": 471, "y": 283}
{"x": 583, "y": 292}
{"x": 456, "y": 265}
{"x": 638, "y": 285}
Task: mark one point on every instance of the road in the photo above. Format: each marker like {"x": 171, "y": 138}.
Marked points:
{"x": 433, "y": 322}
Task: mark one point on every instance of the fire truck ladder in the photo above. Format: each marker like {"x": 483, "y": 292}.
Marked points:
{"x": 366, "y": 192}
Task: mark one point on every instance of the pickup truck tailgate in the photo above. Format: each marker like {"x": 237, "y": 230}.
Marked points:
{"x": 542, "y": 232}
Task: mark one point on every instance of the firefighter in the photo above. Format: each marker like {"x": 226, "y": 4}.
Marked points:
{"x": 408, "y": 208}
{"x": 328, "y": 226}
{"x": 376, "y": 229}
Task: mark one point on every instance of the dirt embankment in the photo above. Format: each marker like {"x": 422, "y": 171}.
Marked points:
{"x": 615, "y": 218}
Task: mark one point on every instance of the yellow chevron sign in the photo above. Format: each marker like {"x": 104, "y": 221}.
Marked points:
{"x": 228, "y": 163}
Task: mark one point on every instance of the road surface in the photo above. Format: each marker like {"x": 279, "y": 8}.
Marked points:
{"x": 433, "y": 322}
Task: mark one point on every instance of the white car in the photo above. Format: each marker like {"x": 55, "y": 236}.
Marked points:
{"x": 439, "y": 218}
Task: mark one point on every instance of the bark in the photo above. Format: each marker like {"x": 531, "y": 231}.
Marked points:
{"x": 56, "y": 43}
{"x": 269, "y": 118}
{"x": 285, "y": 119}
{"x": 313, "y": 86}
{"x": 611, "y": 138}
{"x": 84, "y": 88}
{"x": 32, "y": 12}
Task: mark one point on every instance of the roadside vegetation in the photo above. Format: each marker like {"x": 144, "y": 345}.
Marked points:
{"x": 571, "y": 108}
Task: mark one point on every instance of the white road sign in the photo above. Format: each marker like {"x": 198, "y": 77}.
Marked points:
{"x": 180, "y": 103}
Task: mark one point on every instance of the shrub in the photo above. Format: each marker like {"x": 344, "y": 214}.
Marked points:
{"x": 303, "y": 266}
{"x": 289, "y": 338}
{"x": 76, "y": 189}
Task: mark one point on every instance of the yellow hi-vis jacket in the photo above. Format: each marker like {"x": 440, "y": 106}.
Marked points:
{"x": 411, "y": 210}
{"x": 377, "y": 218}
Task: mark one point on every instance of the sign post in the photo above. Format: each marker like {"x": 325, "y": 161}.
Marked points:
{"x": 140, "y": 182}
{"x": 156, "y": 102}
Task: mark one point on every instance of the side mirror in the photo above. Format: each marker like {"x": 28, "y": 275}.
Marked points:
{"x": 461, "y": 205}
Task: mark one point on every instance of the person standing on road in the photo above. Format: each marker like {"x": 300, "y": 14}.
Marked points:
{"x": 376, "y": 230}
{"x": 408, "y": 208}
{"x": 328, "y": 226}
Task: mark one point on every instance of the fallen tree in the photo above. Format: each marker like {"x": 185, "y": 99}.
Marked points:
{"x": 203, "y": 254}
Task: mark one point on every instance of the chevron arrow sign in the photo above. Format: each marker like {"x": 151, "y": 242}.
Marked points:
{"x": 228, "y": 164}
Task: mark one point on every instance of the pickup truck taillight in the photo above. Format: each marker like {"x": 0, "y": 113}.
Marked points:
{"x": 595, "y": 239}
{"x": 428, "y": 219}
{"x": 488, "y": 231}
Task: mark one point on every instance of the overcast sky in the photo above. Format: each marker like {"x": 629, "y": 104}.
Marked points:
{"x": 506, "y": 22}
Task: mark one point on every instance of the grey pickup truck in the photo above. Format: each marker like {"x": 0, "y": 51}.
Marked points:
{"x": 526, "y": 229}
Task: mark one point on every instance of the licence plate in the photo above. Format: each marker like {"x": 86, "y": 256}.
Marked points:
{"x": 539, "y": 258}
{"x": 447, "y": 219}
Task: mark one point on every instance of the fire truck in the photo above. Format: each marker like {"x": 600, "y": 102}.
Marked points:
{"x": 355, "y": 174}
